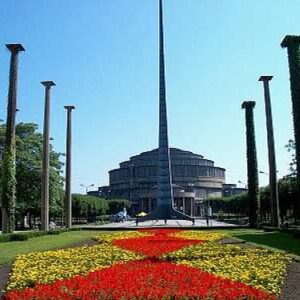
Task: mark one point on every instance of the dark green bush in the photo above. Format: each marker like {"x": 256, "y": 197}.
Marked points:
{"x": 53, "y": 232}
{"x": 70, "y": 229}
{"x": 117, "y": 205}
{"x": 32, "y": 234}
{"x": 24, "y": 236}
{"x": 296, "y": 234}
{"x": 4, "y": 238}
{"x": 18, "y": 237}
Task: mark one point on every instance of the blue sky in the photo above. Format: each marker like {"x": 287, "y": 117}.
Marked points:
{"x": 103, "y": 56}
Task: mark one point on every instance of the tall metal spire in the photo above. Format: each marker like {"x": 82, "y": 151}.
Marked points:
{"x": 164, "y": 180}
{"x": 164, "y": 206}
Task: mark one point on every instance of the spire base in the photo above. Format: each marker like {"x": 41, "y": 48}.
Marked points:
{"x": 165, "y": 213}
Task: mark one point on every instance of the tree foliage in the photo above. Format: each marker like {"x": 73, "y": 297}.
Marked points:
{"x": 287, "y": 192}
{"x": 88, "y": 207}
{"x": 117, "y": 205}
{"x": 238, "y": 204}
{"x": 291, "y": 147}
{"x": 8, "y": 189}
{"x": 29, "y": 145}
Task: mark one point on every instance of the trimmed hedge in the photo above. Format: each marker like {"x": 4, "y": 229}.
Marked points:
{"x": 53, "y": 232}
{"x": 296, "y": 234}
{"x": 18, "y": 237}
{"x": 4, "y": 238}
{"x": 24, "y": 236}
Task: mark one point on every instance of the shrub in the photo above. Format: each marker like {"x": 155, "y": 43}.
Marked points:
{"x": 69, "y": 229}
{"x": 117, "y": 205}
{"x": 18, "y": 237}
{"x": 53, "y": 232}
{"x": 4, "y": 238}
{"x": 296, "y": 234}
{"x": 32, "y": 234}
{"x": 88, "y": 207}
{"x": 24, "y": 236}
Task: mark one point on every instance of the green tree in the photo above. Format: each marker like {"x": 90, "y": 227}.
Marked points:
{"x": 117, "y": 205}
{"x": 291, "y": 147}
{"x": 287, "y": 194}
{"x": 287, "y": 191}
{"x": 29, "y": 145}
{"x": 265, "y": 204}
{"x": 88, "y": 207}
{"x": 236, "y": 204}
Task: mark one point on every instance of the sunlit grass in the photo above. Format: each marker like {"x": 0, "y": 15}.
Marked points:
{"x": 278, "y": 240}
{"x": 9, "y": 250}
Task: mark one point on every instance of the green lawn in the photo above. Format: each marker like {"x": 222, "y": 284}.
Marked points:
{"x": 278, "y": 240}
{"x": 8, "y": 251}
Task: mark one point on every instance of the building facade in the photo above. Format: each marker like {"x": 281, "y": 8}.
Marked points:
{"x": 194, "y": 179}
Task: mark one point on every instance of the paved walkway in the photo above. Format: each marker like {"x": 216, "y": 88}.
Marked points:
{"x": 161, "y": 223}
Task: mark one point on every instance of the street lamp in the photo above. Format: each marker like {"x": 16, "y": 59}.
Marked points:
{"x": 241, "y": 182}
{"x": 86, "y": 187}
{"x": 262, "y": 172}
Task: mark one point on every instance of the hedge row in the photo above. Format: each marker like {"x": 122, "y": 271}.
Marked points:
{"x": 24, "y": 236}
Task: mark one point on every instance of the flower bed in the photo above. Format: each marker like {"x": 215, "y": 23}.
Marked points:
{"x": 144, "y": 280}
{"x": 263, "y": 269}
{"x": 49, "y": 266}
{"x": 150, "y": 264}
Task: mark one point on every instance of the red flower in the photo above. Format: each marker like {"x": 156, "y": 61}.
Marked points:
{"x": 145, "y": 279}
{"x": 158, "y": 243}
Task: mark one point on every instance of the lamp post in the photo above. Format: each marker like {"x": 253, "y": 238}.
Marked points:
{"x": 69, "y": 109}
{"x": 86, "y": 187}
{"x": 46, "y": 159}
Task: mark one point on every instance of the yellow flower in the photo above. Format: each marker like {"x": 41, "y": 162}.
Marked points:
{"x": 261, "y": 268}
{"x": 200, "y": 235}
{"x": 48, "y": 266}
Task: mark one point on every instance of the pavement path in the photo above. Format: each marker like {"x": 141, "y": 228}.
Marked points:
{"x": 161, "y": 223}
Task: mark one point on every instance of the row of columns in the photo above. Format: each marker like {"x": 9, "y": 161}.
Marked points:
{"x": 46, "y": 162}
{"x": 254, "y": 203}
{"x": 8, "y": 211}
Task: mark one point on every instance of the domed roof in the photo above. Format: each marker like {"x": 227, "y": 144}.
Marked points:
{"x": 177, "y": 156}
